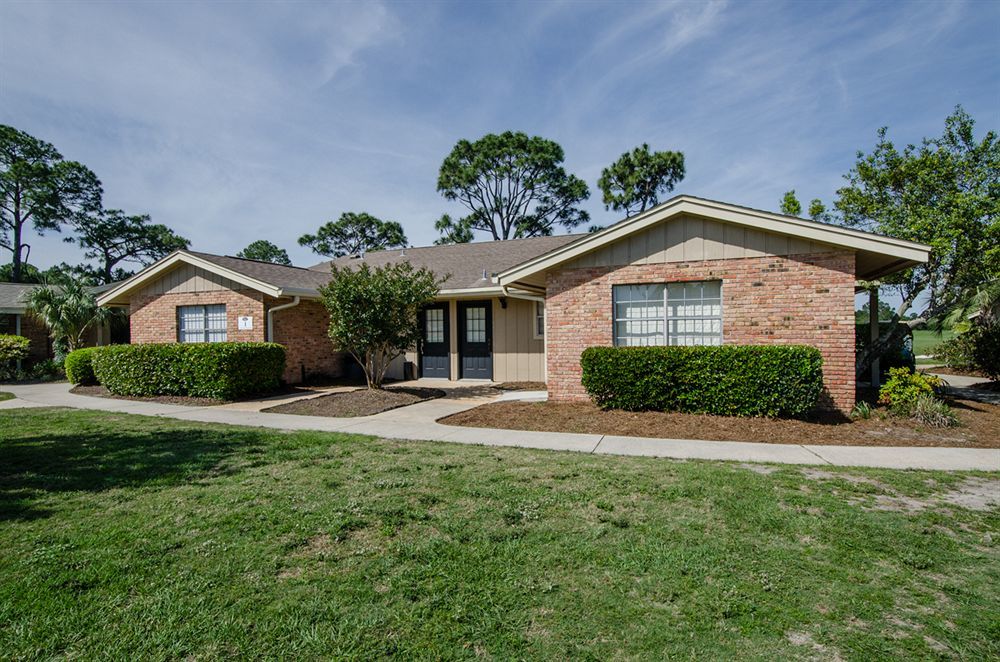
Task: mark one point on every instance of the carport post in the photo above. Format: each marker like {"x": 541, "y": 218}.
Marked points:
{"x": 873, "y": 332}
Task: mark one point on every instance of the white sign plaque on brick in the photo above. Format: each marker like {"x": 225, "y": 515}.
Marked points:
{"x": 246, "y": 323}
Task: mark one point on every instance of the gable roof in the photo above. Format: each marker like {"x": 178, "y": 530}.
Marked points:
{"x": 878, "y": 255}
{"x": 275, "y": 280}
{"x": 469, "y": 266}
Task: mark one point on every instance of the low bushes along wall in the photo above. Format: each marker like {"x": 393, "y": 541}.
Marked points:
{"x": 208, "y": 370}
{"x": 729, "y": 380}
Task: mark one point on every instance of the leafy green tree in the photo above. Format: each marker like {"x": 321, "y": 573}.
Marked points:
{"x": 790, "y": 205}
{"x": 513, "y": 185}
{"x": 38, "y": 189}
{"x": 373, "y": 312}
{"x": 884, "y": 313}
{"x": 818, "y": 212}
{"x": 355, "y": 233}
{"x": 452, "y": 231}
{"x": 111, "y": 237}
{"x": 944, "y": 192}
{"x": 264, "y": 251}
{"x": 635, "y": 181}
{"x": 68, "y": 308}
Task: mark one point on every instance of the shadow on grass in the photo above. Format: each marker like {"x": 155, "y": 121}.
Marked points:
{"x": 34, "y": 467}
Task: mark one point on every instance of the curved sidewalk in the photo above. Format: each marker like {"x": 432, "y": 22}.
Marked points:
{"x": 418, "y": 422}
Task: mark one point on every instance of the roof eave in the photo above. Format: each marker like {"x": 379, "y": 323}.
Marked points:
{"x": 820, "y": 232}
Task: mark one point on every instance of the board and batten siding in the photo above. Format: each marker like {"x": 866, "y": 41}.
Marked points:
{"x": 186, "y": 279}
{"x": 517, "y": 355}
{"x": 688, "y": 239}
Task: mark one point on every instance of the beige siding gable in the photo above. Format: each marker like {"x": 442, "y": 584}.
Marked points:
{"x": 188, "y": 278}
{"x": 689, "y": 238}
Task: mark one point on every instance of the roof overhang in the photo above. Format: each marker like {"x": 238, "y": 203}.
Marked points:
{"x": 119, "y": 295}
{"x": 877, "y": 256}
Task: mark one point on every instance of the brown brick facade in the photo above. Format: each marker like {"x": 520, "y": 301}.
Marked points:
{"x": 301, "y": 329}
{"x": 36, "y": 333}
{"x": 303, "y": 332}
{"x": 798, "y": 299}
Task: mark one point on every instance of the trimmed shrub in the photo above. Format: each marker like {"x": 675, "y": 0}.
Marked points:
{"x": 901, "y": 390}
{"x": 79, "y": 366}
{"x": 222, "y": 371}
{"x": 13, "y": 348}
{"x": 986, "y": 348}
{"x": 958, "y": 352}
{"x": 729, "y": 380}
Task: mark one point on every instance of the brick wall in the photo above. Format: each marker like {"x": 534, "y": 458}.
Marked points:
{"x": 302, "y": 329}
{"x": 303, "y": 332}
{"x": 797, "y": 299}
{"x": 36, "y": 333}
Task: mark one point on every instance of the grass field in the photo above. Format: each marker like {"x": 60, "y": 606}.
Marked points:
{"x": 6, "y": 395}
{"x": 133, "y": 537}
{"x": 924, "y": 342}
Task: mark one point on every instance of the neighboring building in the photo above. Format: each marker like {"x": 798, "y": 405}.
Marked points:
{"x": 14, "y": 320}
{"x": 687, "y": 272}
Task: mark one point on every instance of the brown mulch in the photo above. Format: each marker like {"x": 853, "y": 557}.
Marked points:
{"x": 101, "y": 392}
{"x": 980, "y": 425}
{"x": 362, "y": 402}
{"x": 945, "y": 370}
{"x": 521, "y": 386}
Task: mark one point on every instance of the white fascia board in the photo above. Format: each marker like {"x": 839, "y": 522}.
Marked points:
{"x": 820, "y": 232}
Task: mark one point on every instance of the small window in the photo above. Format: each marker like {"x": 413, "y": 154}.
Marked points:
{"x": 201, "y": 323}
{"x": 539, "y": 320}
{"x": 668, "y": 314}
{"x": 434, "y": 325}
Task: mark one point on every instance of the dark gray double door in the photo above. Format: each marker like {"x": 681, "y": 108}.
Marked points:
{"x": 475, "y": 341}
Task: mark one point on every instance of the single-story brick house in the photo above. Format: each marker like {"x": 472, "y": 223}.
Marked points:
{"x": 687, "y": 272}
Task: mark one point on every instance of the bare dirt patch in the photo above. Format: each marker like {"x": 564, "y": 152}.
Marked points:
{"x": 362, "y": 402}
{"x": 975, "y": 494}
{"x": 980, "y": 425}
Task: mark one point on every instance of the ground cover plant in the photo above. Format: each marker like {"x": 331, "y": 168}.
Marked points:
{"x": 138, "y": 537}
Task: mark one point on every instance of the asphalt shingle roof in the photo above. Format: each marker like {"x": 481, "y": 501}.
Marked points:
{"x": 277, "y": 275}
{"x": 465, "y": 263}
{"x": 12, "y": 294}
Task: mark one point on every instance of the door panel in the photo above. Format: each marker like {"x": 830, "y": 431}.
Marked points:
{"x": 475, "y": 339}
{"x": 434, "y": 358}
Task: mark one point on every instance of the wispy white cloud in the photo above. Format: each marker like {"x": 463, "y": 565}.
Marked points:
{"x": 232, "y": 122}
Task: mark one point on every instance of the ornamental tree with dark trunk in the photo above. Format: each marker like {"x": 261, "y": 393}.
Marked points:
{"x": 373, "y": 312}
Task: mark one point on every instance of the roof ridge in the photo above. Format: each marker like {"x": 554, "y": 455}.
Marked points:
{"x": 247, "y": 259}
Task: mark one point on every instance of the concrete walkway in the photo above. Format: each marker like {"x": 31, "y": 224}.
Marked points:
{"x": 418, "y": 422}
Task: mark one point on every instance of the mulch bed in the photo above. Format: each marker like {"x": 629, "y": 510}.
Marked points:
{"x": 980, "y": 425}
{"x": 945, "y": 370}
{"x": 363, "y": 402}
{"x": 101, "y": 392}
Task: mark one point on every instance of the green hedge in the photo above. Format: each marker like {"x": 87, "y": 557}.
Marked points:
{"x": 729, "y": 380}
{"x": 13, "y": 348}
{"x": 208, "y": 370}
{"x": 79, "y": 366}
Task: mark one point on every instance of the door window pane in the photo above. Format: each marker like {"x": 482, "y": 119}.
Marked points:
{"x": 435, "y": 325}
{"x": 475, "y": 324}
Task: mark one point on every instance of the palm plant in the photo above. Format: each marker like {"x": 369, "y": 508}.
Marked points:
{"x": 68, "y": 308}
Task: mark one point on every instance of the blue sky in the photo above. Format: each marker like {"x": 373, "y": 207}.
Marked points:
{"x": 232, "y": 122}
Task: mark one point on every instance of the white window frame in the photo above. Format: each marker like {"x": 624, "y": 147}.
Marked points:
{"x": 206, "y": 329}
{"x": 538, "y": 330}
{"x": 666, "y": 318}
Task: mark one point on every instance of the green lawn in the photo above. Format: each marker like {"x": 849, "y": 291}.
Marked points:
{"x": 925, "y": 340}
{"x": 132, "y": 537}
{"x": 6, "y": 395}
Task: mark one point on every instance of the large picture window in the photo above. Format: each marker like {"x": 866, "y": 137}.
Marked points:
{"x": 668, "y": 314}
{"x": 201, "y": 323}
